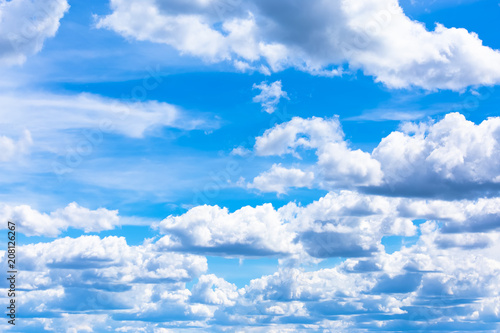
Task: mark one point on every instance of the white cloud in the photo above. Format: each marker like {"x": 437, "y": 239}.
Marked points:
{"x": 211, "y": 289}
{"x": 246, "y": 232}
{"x": 240, "y": 151}
{"x": 298, "y": 133}
{"x": 25, "y": 25}
{"x": 31, "y": 222}
{"x": 438, "y": 158}
{"x": 88, "y": 274}
{"x": 109, "y": 259}
{"x": 337, "y": 166}
{"x": 344, "y": 224}
{"x": 74, "y": 126}
{"x": 450, "y": 158}
{"x": 10, "y": 149}
{"x": 375, "y": 36}
{"x": 270, "y": 95}
{"x": 279, "y": 179}
{"x": 49, "y": 112}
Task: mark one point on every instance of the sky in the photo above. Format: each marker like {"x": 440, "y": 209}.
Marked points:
{"x": 251, "y": 166}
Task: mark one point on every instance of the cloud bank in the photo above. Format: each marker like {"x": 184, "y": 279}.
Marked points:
{"x": 373, "y": 36}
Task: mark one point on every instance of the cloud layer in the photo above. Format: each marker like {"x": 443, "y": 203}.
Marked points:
{"x": 103, "y": 283}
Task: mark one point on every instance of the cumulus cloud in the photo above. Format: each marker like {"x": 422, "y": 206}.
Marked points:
{"x": 338, "y": 165}
{"x": 420, "y": 286}
{"x": 25, "y": 26}
{"x": 210, "y": 229}
{"x": 343, "y": 224}
{"x": 33, "y": 223}
{"x": 450, "y": 158}
{"x": 298, "y": 133}
{"x": 88, "y": 274}
{"x": 374, "y": 36}
{"x": 279, "y": 179}
{"x": 450, "y": 155}
{"x": 270, "y": 95}
{"x": 211, "y": 289}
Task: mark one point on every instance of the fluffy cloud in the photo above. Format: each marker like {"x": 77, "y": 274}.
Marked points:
{"x": 31, "y": 222}
{"x": 375, "y": 36}
{"x": 210, "y": 229}
{"x": 450, "y": 158}
{"x": 279, "y": 179}
{"x": 421, "y": 286}
{"x": 86, "y": 275}
{"x": 11, "y": 149}
{"x": 344, "y": 224}
{"x": 25, "y": 25}
{"x": 338, "y": 165}
{"x": 270, "y": 95}
{"x": 211, "y": 289}
{"x": 298, "y": 133}
{"x": 108, "y": 260}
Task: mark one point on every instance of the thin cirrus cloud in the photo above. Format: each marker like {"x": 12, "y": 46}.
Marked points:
{"x": 52, "y": 119}
{"x": 450, "y": 158}
{"x": 374, "y": 36}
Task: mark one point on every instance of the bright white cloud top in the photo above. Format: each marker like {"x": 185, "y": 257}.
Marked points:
{"x": 251, "y": 166}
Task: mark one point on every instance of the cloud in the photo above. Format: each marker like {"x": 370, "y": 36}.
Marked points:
{"x": 270, "y": 95}
{"x": 279, "y": 179}
{"x": 25, "y": 26}
{"x": 422, "y": 284}
{"x": 374, "y": 36}
{"x": 248, "y": 231}
{"x": 49, "y": 112}
{"x": 337, "y": 166}
{"x": 33, "y": 223}
{"x": 89, "y": 274}
{"x": 344, "y": 224}
{"x": 298, "y": 133}
{"x": 451, "y": 155}
{"x": 211, "y": 289}
{"x": 450, "y": 158}
{"x": 13, "y": 149}
{"x": 347, "y": 224}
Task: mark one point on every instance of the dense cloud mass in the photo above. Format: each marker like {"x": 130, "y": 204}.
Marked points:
{"x": 374, "y": 36}
{"x": 450, "y": 158}
{"x": 419, "y": 286}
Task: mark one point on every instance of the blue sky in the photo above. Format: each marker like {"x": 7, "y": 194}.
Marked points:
{"x": 256, "y": 166}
